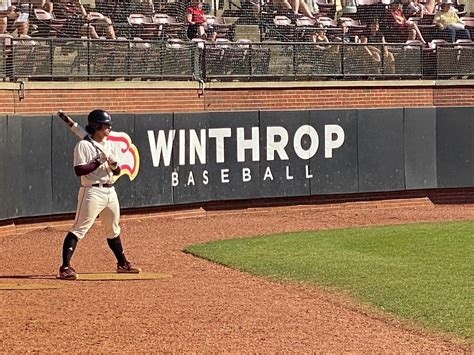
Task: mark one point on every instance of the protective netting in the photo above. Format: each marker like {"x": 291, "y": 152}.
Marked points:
{"x": 84, "y": 59}
{"x": 242, "y": 40}
{"x": 455, "y": 60}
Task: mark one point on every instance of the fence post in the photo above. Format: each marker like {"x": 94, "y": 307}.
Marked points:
{"x": 197, "y": 54}
{"x": 422, "y": 67}
{"x": 342, "y": 58}
{"x": 250, "y": 60}
{"x": 203, "y": 64}
{"x": 88, "y": 59}
{"x": 295, "y": 64}
{"x": 162, "y": 47}
{"x": 51, "y": 58}
{"x": 382, "y": 60}
{"x": 129, "y": 54}
{"x": 4, "y": 60}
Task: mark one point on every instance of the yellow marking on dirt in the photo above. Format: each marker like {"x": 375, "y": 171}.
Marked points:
{"x": 106, "y": 276}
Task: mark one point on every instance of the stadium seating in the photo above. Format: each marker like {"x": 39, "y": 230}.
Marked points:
{"x": 142, "y": 26}
{"x": 169, "y": 27}
{"x": 221, "y": 29}
{"x": 146, "y": 30}
{"x": 326, "y": 8}
{"x": 469, "y": 22}
{"x": 47, "y": 26}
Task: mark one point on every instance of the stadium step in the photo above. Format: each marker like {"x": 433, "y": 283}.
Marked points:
{"x": 251, "y": 32}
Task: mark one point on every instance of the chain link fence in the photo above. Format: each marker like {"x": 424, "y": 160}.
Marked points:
{"x": 75, "y": 59}
{"x": 243, "y": 40}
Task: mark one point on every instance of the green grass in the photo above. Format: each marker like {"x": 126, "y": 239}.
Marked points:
{"x": 420, "y": 272}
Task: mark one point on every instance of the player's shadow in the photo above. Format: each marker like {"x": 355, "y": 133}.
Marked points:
{"x": 104, "y": 276}
{"x": 29, "y": 277}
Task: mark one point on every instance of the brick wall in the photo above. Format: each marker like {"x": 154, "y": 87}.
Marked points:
{"x": 296, "y": 98}
{"x": 48, "y": 98}
{"x": 454, "y": 96}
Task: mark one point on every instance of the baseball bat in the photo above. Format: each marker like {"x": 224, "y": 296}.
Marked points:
{"x": 80, "y": 132}
{"x": 73, "y": 125}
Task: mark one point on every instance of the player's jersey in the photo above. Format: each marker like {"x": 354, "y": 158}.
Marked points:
{"x": 85, "y": 152}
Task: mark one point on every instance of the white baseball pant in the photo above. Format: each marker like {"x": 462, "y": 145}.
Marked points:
{"x": 92, "y": 202}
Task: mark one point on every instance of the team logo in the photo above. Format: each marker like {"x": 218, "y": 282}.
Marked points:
{"x": 127, "y": 152}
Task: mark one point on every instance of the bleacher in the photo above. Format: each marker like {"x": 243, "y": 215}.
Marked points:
{"x": 246, "y": 40}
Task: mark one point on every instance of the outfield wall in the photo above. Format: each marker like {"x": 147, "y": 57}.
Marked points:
{"x": 219, "y": 156}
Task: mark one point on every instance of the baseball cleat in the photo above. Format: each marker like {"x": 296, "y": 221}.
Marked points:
{"x": 128, "y": 268}
{"x": 67, "y": 273}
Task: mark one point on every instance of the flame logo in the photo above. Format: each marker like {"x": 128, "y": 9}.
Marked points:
{"x": 128, "y": 155}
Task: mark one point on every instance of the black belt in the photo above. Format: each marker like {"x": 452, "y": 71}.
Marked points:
{"x": 102, "y": 185}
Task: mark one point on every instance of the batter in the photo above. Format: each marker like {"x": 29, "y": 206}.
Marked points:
{"x": 96, "y": 163}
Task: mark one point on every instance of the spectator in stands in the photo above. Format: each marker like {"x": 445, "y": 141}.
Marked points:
{"x": 6, "y": 11}
{"x": 396, "y": 21}
{"x": 6, "y": 7}
{"x": 197, "y": 22}
{"x": 449, "y": 22}
{"x": 430, "y": 6}
{"x": 5, "y": 37}
{"x": 285, "y": 4}
{"x": 3, "y": 24}
{"x": 251, "y": 6}
{"x": 295, "y": 7}
{"x": 433, "y": 6}
{"x": 326, "y": 56}
{"x": 414, "y": 8}
{"x": 301, "y": 4}
{"x": 347, "y": 37}
{"x": 320, "y": 37}
{"x": 46, "y": 5}
{"x": 313, "y": 6}
{"x": 338, "y": 8}
{"x": 92, "y": 26}
{"x": 375, "y": 36}
{"x": 22, "y": 28}
{"x": 439, "y": 4}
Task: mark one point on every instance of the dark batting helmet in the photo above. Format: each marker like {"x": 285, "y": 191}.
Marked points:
{"x": 96, "y": 119}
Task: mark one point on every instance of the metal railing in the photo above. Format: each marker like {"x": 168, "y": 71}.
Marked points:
{"x": 75, "y": 59}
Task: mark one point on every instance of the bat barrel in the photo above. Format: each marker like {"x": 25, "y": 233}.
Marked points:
{"x": 65, "y": 118}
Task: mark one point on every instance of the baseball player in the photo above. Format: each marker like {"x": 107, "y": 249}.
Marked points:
{"x": 95, "y": 162}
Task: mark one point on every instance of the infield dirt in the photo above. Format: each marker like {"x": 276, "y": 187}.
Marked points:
{"x": 201, "y": 307}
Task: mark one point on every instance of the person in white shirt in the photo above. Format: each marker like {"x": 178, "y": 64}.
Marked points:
{"x": 96, "y": 163}
{"x": 448, "y": 21}
{"x": 6, "y": 11}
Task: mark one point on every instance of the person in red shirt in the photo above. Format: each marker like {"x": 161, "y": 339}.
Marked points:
{"x": 399, "y": 22}
{"x": 197, "y": 22}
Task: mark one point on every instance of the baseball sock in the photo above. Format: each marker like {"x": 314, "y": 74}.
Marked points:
{"x": 70, "y": 243}
{"x": 116, "y": 245}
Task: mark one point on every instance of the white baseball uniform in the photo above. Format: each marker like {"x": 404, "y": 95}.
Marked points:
{"x": 94, "y": 198}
